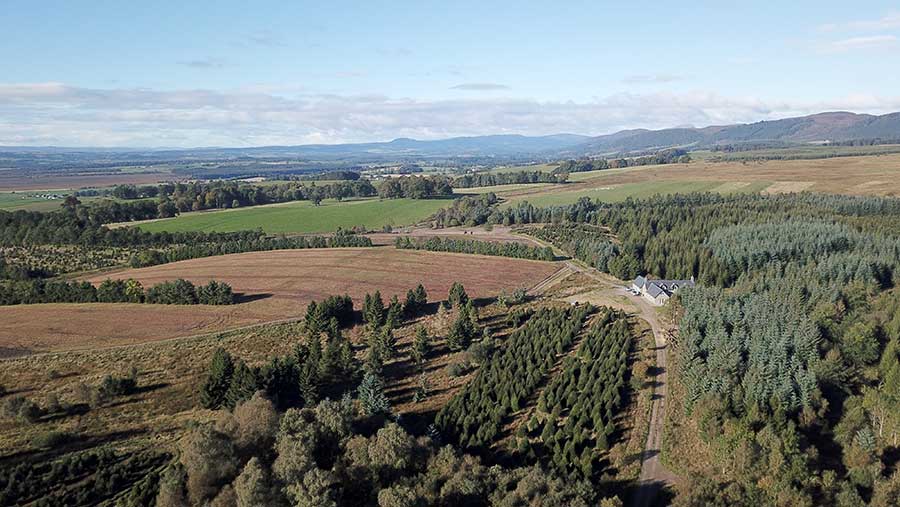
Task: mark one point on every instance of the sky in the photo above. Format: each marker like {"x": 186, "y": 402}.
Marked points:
{"x": 229, "y": 73}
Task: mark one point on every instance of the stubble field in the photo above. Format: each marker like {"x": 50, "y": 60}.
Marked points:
{"x": 274, "y": 285}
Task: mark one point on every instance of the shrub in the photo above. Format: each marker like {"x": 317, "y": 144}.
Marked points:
{"x": 50, "y": 439}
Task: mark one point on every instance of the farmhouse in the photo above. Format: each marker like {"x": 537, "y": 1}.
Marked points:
{"x": 658, "y": 292}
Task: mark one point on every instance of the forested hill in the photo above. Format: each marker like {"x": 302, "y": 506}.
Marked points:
{"x": 832, "y": 126}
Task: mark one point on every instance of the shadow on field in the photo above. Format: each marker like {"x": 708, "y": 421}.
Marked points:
{"x": 76, "y": 443}
{"x": 243, "y": 297}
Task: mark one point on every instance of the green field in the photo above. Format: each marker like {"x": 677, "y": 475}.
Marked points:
{"x": 303, "y": 217}
{"x": 620, "y": 192}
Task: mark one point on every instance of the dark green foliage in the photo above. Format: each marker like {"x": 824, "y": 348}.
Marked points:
{"x": 177, "y": 292}
{"x": 421, "y": 345}
{"x": 584, "y": 242}
{"x": 590, "y": 384}
{"x": 313, "y": 371}
{"x": 215, "y": 293}
{"x": 415, "y": 301}
{"x": 461, "y": 332}
{"x": 319, "y": 314}
{"x": 415, "y": 187}
{"x": 510, "y": 178}
{"x": 506, "y": 249}
{"x": 218, "y": 380}
{"x": 373, "y": 309}
{"x": 77, "y": 479}
{"x": 469, "y": 211}
{"x": 457, "y": 296}
{"x": 674, "y": 156}
{"x": 474, "y": 416}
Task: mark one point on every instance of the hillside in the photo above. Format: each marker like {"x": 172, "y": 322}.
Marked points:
{"x": 831, "y": 126}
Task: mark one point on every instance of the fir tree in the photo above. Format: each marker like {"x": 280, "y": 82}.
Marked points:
{"x": 243, "y": 384}
{"x": 421, "y": 345}
{"x": 371, "y": 395}
{"x": 221, "y": 369}
{"x": 457, "y": 296}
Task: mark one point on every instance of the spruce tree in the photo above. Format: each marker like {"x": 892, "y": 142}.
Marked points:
{"x": 371, "y": 395}
{"x": 221, "y": 369}
{"x": 243, "y": 384}
{"x": 421, "y": 345}
{"x": 457, "y": 296}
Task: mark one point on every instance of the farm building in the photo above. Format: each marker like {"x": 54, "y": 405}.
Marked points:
{"x": 658, "y": 292}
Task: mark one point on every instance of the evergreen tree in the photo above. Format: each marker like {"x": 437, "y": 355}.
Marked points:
{"x": 457, "y": 296}
{"x": 218, "y": 380}
{"x": 374, "y": 310}
{"x": 371, "y": 395}
{"x": 243, "y": 384}
{"x": 421, "y": 345}
{"x": 394, "y": 314}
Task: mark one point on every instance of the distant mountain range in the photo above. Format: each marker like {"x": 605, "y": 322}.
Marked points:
{"x": 835, "y": 126}
{"x": 831, "y": 126}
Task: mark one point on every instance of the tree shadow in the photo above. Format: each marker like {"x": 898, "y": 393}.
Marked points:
{"x": 242, "y": 297}
{"x": 77, "y": 443}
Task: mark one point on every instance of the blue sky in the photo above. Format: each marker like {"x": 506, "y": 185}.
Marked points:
{"x": 236, "y": 74}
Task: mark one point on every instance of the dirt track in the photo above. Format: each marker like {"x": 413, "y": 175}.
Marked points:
{"x": 654, "y": 475}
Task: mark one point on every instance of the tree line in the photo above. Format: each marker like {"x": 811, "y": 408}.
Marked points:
{"x": 485, "y": 179}
{"x": 174, "y": 198}
{"x": 415, "y": 187}
{"x": 175, "y": 292}
{"x": 504, "y": 249}
{"x": 675, "y": 156}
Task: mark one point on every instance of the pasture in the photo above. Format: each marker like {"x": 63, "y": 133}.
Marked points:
{"x": 301, "y": 217}
{"x": 276, "y": 285}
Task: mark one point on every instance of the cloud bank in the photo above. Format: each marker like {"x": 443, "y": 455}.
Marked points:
{"x": 62, "y": 115}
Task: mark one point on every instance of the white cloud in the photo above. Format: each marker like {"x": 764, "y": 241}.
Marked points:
{"x": 652, "y": 79}
{"x": 203, "y": 63}
{"x": 887, "y": 22}
{"x": 57, "y": 114}
{"x": 480, "y": 87}
{"x": 867, "y": 42}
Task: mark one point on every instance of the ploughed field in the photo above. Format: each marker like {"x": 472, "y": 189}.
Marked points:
{"x": 274, "y": 286}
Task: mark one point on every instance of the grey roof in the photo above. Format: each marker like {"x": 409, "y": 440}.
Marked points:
{"x": 654, "y": 290}
{"x": 639, "y": 281}
{"x": 655, "y": 287}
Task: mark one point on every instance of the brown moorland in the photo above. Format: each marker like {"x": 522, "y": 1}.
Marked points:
{"x": 863, "y": 175}
{"x": 276, "y": 286}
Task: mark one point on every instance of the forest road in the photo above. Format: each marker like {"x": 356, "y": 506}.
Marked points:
{"x": 654, "y": 476}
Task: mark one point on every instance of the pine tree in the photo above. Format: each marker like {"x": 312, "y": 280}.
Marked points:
{"x": 371, "y": 395}
{"x": 221, "y": 369}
